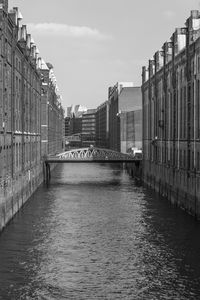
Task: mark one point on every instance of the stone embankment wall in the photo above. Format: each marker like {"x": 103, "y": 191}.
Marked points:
{"x": 171, "y": 127}
{"x": 15, "y": 192}
{"x": 135, "y": 169}
{"x": 180, "y": 188}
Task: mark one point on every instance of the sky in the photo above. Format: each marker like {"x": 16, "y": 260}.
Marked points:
{"x": 93, "y": 44}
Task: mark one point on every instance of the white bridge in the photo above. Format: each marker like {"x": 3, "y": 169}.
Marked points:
{"x": 91, "y": 154}
{"x": 87, "y": 155}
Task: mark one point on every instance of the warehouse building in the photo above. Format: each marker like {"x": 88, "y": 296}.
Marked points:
{"x": 21, "y": 91}
{"x": 171, "y": 118}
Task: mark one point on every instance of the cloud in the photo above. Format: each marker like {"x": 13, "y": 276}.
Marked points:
{"x": 64, "y": 30}
{"x": 169, "y": 14}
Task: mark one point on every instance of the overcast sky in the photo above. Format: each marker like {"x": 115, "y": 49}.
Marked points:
{"x": 92, "y": 44}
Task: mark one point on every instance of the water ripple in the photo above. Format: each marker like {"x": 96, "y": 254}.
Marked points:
{"x": 96, "y": 234}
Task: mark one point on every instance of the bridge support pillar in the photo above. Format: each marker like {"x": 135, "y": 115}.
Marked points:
{"x": 47, "y": 173}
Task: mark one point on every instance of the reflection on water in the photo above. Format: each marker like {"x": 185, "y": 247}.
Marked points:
{"x": 96, "y": 234}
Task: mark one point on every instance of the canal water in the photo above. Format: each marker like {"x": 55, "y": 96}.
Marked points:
{"x": 95, "y": 233}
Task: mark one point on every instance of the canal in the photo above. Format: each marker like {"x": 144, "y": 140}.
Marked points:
{"x": 95, "y": 233}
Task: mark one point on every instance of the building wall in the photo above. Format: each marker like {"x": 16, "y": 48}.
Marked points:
{"x": 102, "y": 125}
{"x": 89, "y": 128}
{"x": 75, "y": 125}
{"x": 114, "y": 121}
{"x": 171, "y": 114}
{"x": 123, "y": 97}
{"x": 131, "y": 130}
{"x": 130, "y": 99}
{"x": 67, "y": 126}
{"x": 20, "y": 171}
{"x": 44, "y": 111}
{"x": 52, "y": 127}
{"x": 20, "y": 115}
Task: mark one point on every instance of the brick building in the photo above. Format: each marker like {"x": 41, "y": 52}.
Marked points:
{"x": 171, "y": 114}
{"x": 20, "y": 114}
{"x": 52, "y": 120}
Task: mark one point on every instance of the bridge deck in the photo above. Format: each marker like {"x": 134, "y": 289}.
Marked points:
{"x": 87, "y": 155}
{"x": 58, "y": 160}
{"x": 91, "y": 155}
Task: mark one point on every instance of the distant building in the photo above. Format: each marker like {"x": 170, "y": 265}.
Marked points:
{"x": 73, "y": 131}
{"x": 74, "y": 141}
{"x": 52, "y": 113}
{"x": 67, "y": 126}
{"x": 102, "y": 125}
{"x": 89, "y": 128}
{"x": 75, "y": 125}
{"x": 76, "y": 111}
{"x": 130, "y": 130}
{"x": 123, "y": 98}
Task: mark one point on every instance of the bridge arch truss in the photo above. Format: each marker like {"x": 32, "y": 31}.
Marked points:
{"x": 91, "y": 154}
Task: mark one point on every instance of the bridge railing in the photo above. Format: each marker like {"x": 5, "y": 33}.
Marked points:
{"x": 92, "y": 154}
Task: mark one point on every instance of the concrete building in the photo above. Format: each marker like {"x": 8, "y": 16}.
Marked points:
{"x": 102, "y": 125}
{"x": 123, "y": 98}
{"x": 89, "y": 128}
{"x": 20, "y": 114}
{"x": 76, "y": 110}
{"x": 130, "y": 130}
{"x": 73, "y": 131}
{"x": 75, "y": 125}
{"x": 67, "y": 126}
{"x": 74, "y": 141}
{"x": 171, "y": 114}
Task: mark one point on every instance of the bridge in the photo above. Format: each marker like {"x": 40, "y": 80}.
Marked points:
{"x": 88, "y": 155}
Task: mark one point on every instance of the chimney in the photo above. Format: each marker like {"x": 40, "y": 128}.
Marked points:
{"x": 39, "y": 62}
{"x": 193, "y": 25}
{"x": 167, "y": 52}
{"x": 159, "y": 61}
{"x": 18, "y": 15}
{"x": 179, "y": 39}
{"x": 145, "y": 74}
{"x": 151, "y": 68}
{"x": 37, "y": 52}
{"x": 13, "y": 16}
{"x": 23, "y": 33}
{"x": 28, "y": 41}
{"x": 4, "y": 5}
{"x": 33, "y": 51}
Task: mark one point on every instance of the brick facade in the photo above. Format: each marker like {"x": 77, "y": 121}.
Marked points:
{"x": 171, "y": 114}
{"x": 20, "y": 115}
